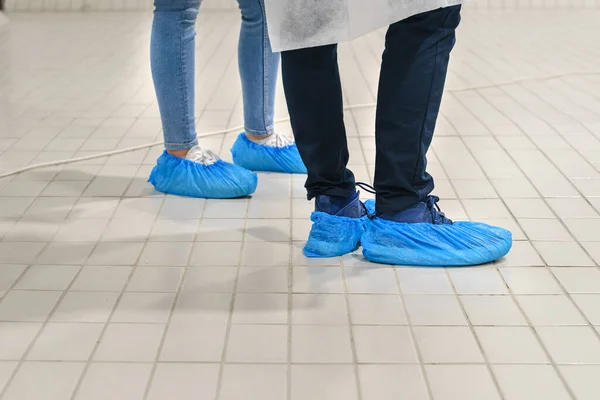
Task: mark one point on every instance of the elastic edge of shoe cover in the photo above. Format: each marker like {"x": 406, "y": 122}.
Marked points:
{"x": 181, "y": 177}
{"x": 345, "y": 232}
{"x": 256, "y": 157}
{"x": 377, "y": 252}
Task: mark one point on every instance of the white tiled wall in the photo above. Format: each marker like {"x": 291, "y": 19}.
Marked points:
{"x": 140, "y": 5}
{"x": 533, "y": 4}
{"x": 100, "y": 5}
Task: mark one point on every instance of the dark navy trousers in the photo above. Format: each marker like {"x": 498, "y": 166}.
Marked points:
{"x": 413, "y": 74}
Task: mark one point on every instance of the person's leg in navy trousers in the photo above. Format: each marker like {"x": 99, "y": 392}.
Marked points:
{"x": 413, "y": 73}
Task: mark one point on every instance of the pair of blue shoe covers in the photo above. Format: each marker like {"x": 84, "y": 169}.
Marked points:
{"x": 440, "y": 242}
{"x": 223, "y": 180}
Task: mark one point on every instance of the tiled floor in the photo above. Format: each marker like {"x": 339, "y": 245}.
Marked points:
{"x": 109, "y": 290}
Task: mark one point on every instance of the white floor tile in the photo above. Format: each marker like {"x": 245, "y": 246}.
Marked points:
{"x": 390, "y": 382}
{"x": 129, "y": 343}
{"x": 571, "y": 345}
{"x": 583, "y": 380}
{"x": 440, "y": 345}
{"x": 544, "y": 230}
{"x": 522, "y": 382}
{"x": 64, "y": 253}
{"x": 563, "y": 254}
{"x": 522, "y": 254}
{"x": 66, "y": 342}
{"x": 374, "y": 309}
{"x": 210, "y": 279}
{"x": 472, "y": 382}
{"x": 6, "y": 370}
{"x": 578, "y": 279}
{"x": 85, "y": 307}
{"x": 510, "y": 345}
{"x": 319, "y": 309}
{"x": 266, "y": 254}
{"x": 317, "y": 279}
{"x": 370, "y": 280}
{"x": 589, "y": 304}
{"x": 258, "y": 308}
{"x": 20, "y": 305}
{"x": 116, "y": 253}
{"x": 47, "y": 277}
{"x": 9, "y": 274}
{"x": 143, "y": 308}
{"x": 384, "y": 344}
{"x": 198, "y": 307}
{"x": 263, "y": 280}
{"x": 216, "y": 254}
{"x": 550, "y": 310}
{"x": 101, "y": 279}
{"x": 478, "y": 281}
{"x": 157, "y": 279}
{"x": 423, "y": 281}
{"x": 56, "y": 381}
{"x": 434, "y": 310}
{"x": 321, "y": 344}
{"x": 253, "y": 381}
{"x": 220, "y": 230}
{"x": 323, "y": 382}
{"x": 187, "y": 342}
{"x": 114, "y": 381}
{"x": 492, "y": 311}
{"x": 524, "y": 157}
{"x": 257, "y": 344}
{"x": 184, "y": 381}
{"x": 168, "y": 254}
{"x": 534, "y": 280}
{"x": 16, "y": 338}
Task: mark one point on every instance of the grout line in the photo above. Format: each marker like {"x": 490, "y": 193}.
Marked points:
{"x": 43, "y": 325}
{"x": 542, "y": 60}
{"x": 231, "y": 308}
{"x": 565, "y": 292}
{"x": 177, "y": 294}
{"x": 539, "y": 340}
{"x": 350, "y": 330}
{"x": 413, "y": 336}
{"x": 290, "y": 291}
{"x": 54, "y": 308}
{"x": 134, "y": 268}
{"x": 488, "y": 364}
{"x": 457, "y": 297}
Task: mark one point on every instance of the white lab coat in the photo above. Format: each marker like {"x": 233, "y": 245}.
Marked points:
{"x": 296, "y": 24}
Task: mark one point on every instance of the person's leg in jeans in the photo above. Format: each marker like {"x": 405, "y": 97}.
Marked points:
{"x": 314, "y": 97}
{"x": 260, "y": 148}
{"x": 184, "y": 168}
{"x": 172, "y": 59}
{"x": 259, "y": 68}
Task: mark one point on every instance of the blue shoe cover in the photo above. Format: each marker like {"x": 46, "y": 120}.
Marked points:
{"x": 335, "y": 235}
{"x": 221, "y": 180}
{"x": 256, "y": 157}
{"x": 422, "y": 244}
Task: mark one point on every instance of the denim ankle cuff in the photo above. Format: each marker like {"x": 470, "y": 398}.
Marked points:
{"x": 181, "y": 146}
{"x": 260, "y": 132}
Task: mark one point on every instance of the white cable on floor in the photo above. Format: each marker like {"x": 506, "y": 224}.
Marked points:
{"x": 240, "y": 128}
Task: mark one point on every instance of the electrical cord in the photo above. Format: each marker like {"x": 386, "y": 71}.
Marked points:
{"x": 240, "y": 128}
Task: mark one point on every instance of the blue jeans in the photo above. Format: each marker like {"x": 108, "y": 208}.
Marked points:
{"x": 172, "y": 55}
